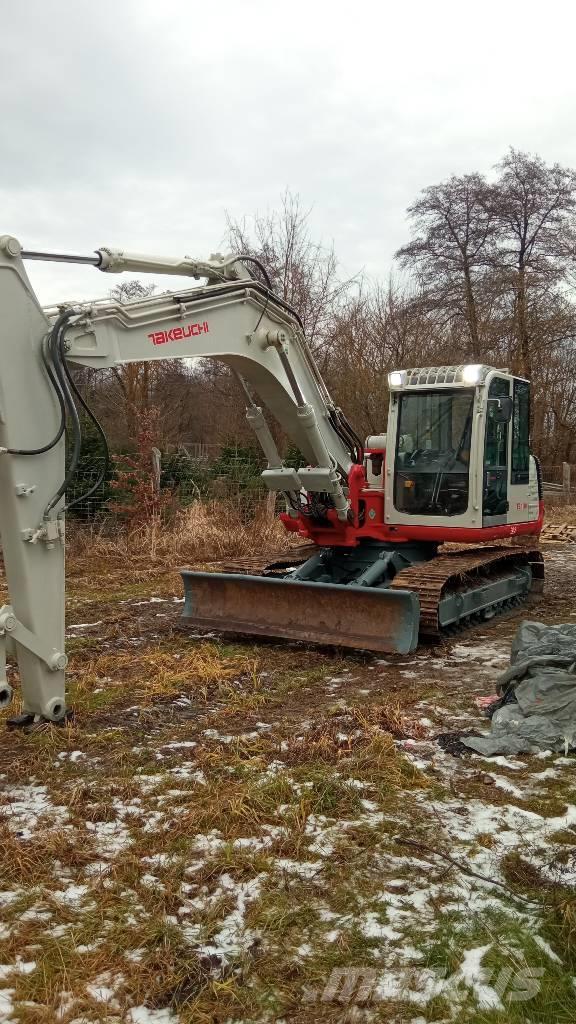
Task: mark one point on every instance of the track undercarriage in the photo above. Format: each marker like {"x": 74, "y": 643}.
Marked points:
{"x": 379, "y": 597}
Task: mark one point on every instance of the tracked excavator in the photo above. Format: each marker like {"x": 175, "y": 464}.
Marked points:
{"x": 453, "y": 466}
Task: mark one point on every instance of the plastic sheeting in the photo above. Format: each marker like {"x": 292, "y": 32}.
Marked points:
{"x": 537, "y": 709}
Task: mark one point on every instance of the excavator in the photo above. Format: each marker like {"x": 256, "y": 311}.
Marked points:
{"x": 454, "y": 469}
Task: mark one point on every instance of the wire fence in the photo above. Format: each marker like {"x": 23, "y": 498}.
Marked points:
{"x": 229, "y": 473}
{"x": 196, "y": 472}
{"x": 559, "y": 483}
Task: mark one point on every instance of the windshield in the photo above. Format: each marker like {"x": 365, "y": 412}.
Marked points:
{"x": 433, "y": 452}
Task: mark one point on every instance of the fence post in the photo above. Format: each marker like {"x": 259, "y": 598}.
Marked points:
{"x": 566, "y": 481}
{"x": 156, "y": 456}
{"x": 271, "y": 505}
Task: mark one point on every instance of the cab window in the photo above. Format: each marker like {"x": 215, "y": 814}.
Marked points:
{"x": 495, "y": 492}
{"x": 521, "y": 433}
{"x": 496, "y": 432}
{"x": 432, "y": 464}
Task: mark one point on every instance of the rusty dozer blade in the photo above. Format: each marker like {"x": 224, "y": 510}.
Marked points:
{"x": 321, "y": 613}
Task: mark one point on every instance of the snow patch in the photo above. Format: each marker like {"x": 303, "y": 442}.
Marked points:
{"x": 546, "y": 948}
{"x": 26, "y": 806}
{"x": 232, "y": 937}
{"x": 504, "y": 783}
{"x": 18, "y": 967}
{"x": 180, "y": 745}
{"x": 304, "y": 869}
{"x": 6, "y": 1005}
{"x": 111, "y": 837}
{"x": 471, "y": 973}
{"x": 71, "y": 755}
{"x": 373, "y": 928}
{"x": 72, "y": 895}
{"x": 142, "y": 1015}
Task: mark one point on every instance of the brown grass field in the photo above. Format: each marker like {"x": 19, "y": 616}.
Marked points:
{"x": 234, "y": 831}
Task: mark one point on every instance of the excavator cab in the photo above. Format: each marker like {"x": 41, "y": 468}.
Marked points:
{"x": 459, "y": 449}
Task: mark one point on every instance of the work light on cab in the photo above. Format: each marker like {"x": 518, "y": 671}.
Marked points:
{"x": 472, "y": 374}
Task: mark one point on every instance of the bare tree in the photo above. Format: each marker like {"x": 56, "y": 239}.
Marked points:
{"x": 454, "y": 232}
{"x": 533, "y": 205}
{"x": 303, "y": 272}
{"x": 381, "y": 328}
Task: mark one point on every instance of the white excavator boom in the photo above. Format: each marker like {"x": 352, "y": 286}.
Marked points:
{"x": 233, "y": 319}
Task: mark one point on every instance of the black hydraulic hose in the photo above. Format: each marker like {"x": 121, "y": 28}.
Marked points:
{"x": 349, "y": 440}
{"x": 268, "y": 285}
{"x": 336, "y": 427}
{"x": 106, "y": 464}
{"x": 235, "y": 286}
{"x": 58, "y": 360}
{"x": 59, "y": 394}
{"x": 346, "y": 426}
{"x": 257, "y": 263}
{"x": 346, "y": 434}
{"x": 350, "y": 429}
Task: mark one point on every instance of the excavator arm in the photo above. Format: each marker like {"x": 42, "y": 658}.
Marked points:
{"x": 233, "y": 318}
{"x": 244, "y": 326}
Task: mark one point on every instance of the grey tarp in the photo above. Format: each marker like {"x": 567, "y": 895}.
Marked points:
{"x": 539, "y": 690}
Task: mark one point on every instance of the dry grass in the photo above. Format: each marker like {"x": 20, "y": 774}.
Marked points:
{"x": 560, "y": 514}
{"x": 154, "y": 674}
{"x": 204, "y": 531}
{"x": 391, "y": 718}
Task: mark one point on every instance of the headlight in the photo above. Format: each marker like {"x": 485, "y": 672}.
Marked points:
{"x": 472, "y": 373}
{"x": 397, "y": 378}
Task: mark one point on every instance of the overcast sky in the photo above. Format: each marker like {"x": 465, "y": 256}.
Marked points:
{"x": 138, "y": 123}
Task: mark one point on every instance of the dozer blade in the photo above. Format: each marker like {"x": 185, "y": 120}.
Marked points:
{"x": 321, "y": 613}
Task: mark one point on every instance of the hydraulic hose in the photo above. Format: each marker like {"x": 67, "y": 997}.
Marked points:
{"x": 59, "y": 394}
{"x": 70, "y": 390}
{"x": 58, "y": 360}
{"x": 257, "y": 263}
{"x": 106, "y": 464}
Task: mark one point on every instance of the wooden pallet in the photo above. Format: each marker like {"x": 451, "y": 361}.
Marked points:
{"x": 564, "y": 532}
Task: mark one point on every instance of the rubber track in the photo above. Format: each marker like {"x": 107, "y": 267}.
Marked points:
{"x": 461, "y": 568}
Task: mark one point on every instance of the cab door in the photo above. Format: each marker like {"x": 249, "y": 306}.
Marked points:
{"x": 495, "y": 492}
{"x": 523, "y": 490}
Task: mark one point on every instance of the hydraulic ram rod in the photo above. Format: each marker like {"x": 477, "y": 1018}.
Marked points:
{"x": 59, "y": 257}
